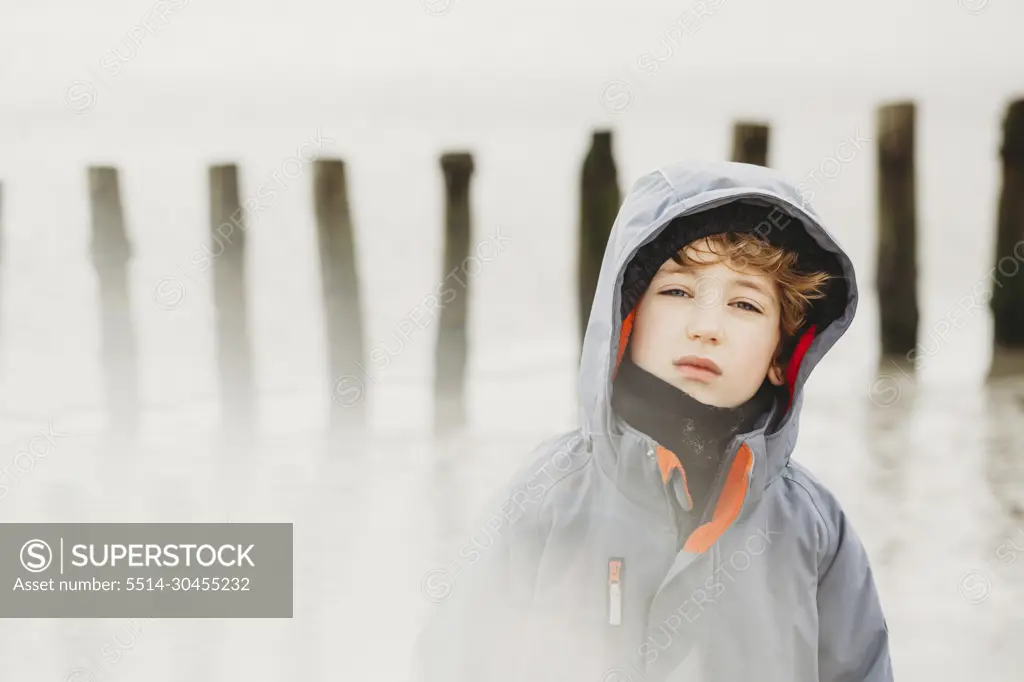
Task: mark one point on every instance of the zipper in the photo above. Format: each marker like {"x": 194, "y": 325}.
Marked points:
{"x": 651, "y": 446}
{"x": 716, "y": 486}
{"x": 719, "y": 483}
{"x": 615, "y": 570}
{"x": 648, "y": 442}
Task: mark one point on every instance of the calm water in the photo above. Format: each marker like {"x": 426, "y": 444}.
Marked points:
{"x": 934, "y": 485}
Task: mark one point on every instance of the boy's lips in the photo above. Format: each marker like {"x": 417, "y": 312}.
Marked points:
{"x": 696, "y": 367}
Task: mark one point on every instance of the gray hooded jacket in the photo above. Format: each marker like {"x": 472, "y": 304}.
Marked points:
{"x": 575, "y": 572}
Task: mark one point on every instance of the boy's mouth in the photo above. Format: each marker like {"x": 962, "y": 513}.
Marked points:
{"x": 696, "y": 367}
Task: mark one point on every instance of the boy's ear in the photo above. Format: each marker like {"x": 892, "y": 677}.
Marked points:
{"x": 776, "y": 375}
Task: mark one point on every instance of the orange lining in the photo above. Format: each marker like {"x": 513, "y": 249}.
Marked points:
{"x": 730, "y": 501}
{"x": 667, "y": 461}
{"x": 627, "y": 328}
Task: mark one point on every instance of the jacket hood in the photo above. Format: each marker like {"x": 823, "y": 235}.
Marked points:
{"x": 652, "y": 203}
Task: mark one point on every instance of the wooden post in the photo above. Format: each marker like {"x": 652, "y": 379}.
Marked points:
{"x": 599, "y": 204}
{"x": 896, "y": 274}
{"x": 452, "y": 350}
{"x": 1008, "y": 288}
{"x": 110, "y": 252}
{"x": 234, "y": 354}
{"x": 342, "y": 310}
{"x": 750, "y": 143}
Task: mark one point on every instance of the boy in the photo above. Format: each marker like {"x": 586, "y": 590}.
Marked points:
{"x": 671, "y": 537}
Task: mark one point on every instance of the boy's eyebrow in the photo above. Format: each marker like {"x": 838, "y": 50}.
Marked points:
{"x": 674, "y": 268}
{"x": 751, "y": 284}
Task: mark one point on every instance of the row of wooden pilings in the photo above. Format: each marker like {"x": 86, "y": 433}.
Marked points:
{"x": 600, "y": 198}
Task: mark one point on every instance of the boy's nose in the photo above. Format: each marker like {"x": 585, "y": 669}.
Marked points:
{"x": 704, "y": 328}
{"x": 705, "y": 323}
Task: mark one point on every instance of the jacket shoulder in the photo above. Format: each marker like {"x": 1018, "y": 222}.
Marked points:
{"x": 823, "y": 504}
{"x": 512, "y": 511}
{"x": 551, "y": 462}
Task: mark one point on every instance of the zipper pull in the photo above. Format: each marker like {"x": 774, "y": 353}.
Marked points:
{"x": 615, "y": 567}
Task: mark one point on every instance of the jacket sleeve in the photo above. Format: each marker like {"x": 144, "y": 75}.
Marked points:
{"x": 477, "y": 621}
{"x": 853, "y": 637}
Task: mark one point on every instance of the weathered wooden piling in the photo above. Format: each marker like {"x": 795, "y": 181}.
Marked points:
{"x": 1008, "y": 288}
{"x": 452, "y": 349}
{"x": 227, "y": 246}
{"x": 3, "y": 235}
{"x": 600, "y": 199}
{"x": 110, "y": 252}
{"x": 896, "y": 274}
{"x": 342, "y": 308}
{"x": 750, "y": 143}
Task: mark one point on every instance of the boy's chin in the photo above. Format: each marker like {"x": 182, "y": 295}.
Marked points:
{"x": 702, "y": 392}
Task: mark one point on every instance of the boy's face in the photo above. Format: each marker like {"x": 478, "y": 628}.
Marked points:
{"x": 712, "y": 312}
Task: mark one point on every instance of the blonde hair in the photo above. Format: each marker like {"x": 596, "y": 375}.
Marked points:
{"x": 797, "y": 289}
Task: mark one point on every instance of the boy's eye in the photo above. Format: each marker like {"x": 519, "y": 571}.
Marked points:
{"x": 683, "y": 293}
{"x": 748, "y": 306}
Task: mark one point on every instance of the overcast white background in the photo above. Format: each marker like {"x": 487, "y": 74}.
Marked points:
{"x": 529, "y": 53}
{"x": 934, "y": 483}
